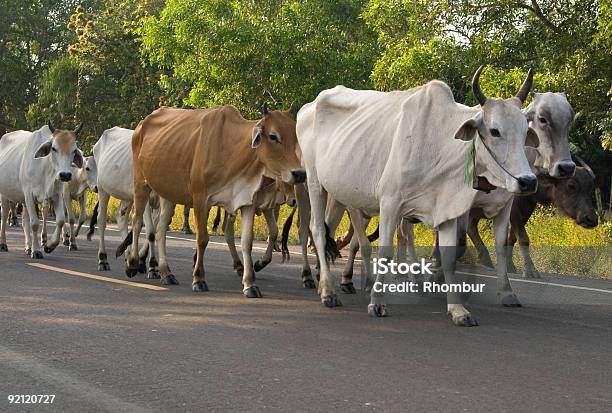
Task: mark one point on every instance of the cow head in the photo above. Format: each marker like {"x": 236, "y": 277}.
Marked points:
{"x": 501, "y": 132}
{"x": 573, "y": 197}
{"x": 62, "y": 152}
{"x": 275, "y": 142}
{"x": 91, "y": 171}
{"x": 551, "y": 116}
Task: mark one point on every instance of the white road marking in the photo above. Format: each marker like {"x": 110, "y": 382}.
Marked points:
{"x": 96, "y": 277}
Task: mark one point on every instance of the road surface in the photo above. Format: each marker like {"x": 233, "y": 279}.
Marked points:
{"x": 99, "y": 345}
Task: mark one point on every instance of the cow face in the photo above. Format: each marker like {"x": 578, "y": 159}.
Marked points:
{"x": 573, "y": 197}
{"x": 551, "y": 116}
{"x": 275, "y": 142}
{"x": 62, "y": 152}
{"x": 91, "y": 171}
{"x": 501, "y": 133}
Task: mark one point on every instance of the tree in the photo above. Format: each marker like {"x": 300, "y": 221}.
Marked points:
{"x": 247, "y": 52}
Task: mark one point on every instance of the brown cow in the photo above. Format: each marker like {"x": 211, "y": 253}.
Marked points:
{"x": 207, "y": 157}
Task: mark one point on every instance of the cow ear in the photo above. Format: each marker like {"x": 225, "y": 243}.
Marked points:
{"x": 78, "y": 159}
{"x": 43, "y": 150}
{"x": 532, "y": 138}
{"x": 469, "y": 128}
{"x": 529, "y": 112}
{"x": 256, "y": 139}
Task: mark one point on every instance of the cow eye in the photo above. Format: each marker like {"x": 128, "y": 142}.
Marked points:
{"x": 274, "y": 137}
{"x": 495, "y": 132}
{"x": 53, "y": 149}
{"x": 543, "y": 120}
{"x": 87, "y": 169}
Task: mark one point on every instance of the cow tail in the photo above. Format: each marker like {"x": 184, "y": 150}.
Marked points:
{"x": 217, "y": 220}
{"x": 285, "y": 235}
{"x": 331, "y": 248}
{"x": 124, "y": 245}
{"x": 374, "y": 235}
{"x": 93, "y": 222}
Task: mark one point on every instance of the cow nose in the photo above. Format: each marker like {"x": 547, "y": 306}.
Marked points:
{"x": 65, "y": 176}
{"x": 96, "y": 189}
{"x": 566, "y": 169}
{"x": 299, "y": 176}
{"x": 588, "y": 221}
{"x": 527, "y": 183}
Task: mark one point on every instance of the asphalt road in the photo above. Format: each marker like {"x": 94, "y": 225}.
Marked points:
{"x": 102, "y": 346}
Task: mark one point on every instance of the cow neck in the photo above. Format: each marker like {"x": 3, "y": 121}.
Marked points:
{"x": 243, "y": 144}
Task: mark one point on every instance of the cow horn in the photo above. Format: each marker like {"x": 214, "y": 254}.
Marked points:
{"x": 585, "y": 166}
{"x": 293, "y": 109}
{"x": 476, "y": 87}
{"x": 264, "y": 109}
{"x": 525, "y": 87}
{"x": 78, "y": 128}
{"x": 51, "y": 128}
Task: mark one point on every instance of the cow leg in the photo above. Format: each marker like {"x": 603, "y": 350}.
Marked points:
{"x": 435, "y": 252}
{"x": 165, "y": 215}
{"x": 530, "y": 270}
{"x": 247, "y": 215}
{"x": 500, "y": 229}
{"x": 32, "y": 228}
{"x": 228, "y": 233}
{"x": 103, "y": 198}
{"x": 27, "y": 230}
{"x": 510, "y": 248}
{"x": 186, "y": 228}
{"x": 45, "y": 213}
{"x": 141, "y": 198}
{"x": 60, "y": 218}
{"x": 318, "y": 201}
{"x": 303, "y": 202}
{"x": 201, "y": 211}
{"x": 447, "y": 233}
{"x": 82, "y": 214}
{"x": 346, "y": 285}
{"x": 483, "y": 253}
{"x": 388, "y": 221}
{"x": 5, "y": 208}
{"x": 272, "y": 237}
{"x": 407, "y": 232}
{"x": 153, "y": 271}
{"x": 360, "y": 224}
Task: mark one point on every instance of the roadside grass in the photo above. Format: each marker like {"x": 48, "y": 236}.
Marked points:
{"x": 558, "y": 245}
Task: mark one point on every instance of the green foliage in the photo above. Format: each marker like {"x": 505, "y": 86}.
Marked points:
{"x": 245, "y": 53}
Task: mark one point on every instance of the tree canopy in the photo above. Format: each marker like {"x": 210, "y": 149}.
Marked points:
{"x": 111, "y": 62}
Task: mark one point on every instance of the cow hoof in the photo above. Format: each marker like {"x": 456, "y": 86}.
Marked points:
{"x": 142, "y": 267}
{"x": 48, "y": 249}
{"x": 377, "y": 310}
{"x": 153, "y": 274}
{"x": 131, "y": 272}
{"x": 465, "y": 320}
{"x": 331, "y": 301}
{"x": 28, "y": 251}
{"x": 260, "y": 265}
{"x": 348, "y": 288}
{"x": 37, "y": 255}
{"x": 252, "y": 292}
{"x": 73, "y": 247}
{"x": 511, "y": 300}
{"x": 3, "y": 248}
{"x": 169, "y": 279}
{"x": 187, "y": 231}
{"x": 309, "y": 284}
{"x": 199, "y": 287}
{"x": 103, "y": 266}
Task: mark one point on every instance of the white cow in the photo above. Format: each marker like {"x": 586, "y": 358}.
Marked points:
{"x": 35, "y": 165}
{"x": 113, "y": 160}
{"x": 408, "y": 154}
{"x": 83, "y": 179}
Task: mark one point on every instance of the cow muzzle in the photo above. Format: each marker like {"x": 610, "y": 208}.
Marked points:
{"x": 563, "y": 169}
{"x": 587, "y": 220}
{"x": 65, "y": 176}
{"x": 527, "y": 184}
{"x": 298, "y": 176}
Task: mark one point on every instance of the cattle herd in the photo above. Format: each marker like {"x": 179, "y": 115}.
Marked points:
{"x": 404, "y": 156}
